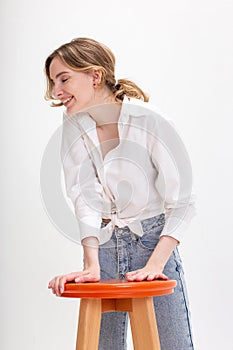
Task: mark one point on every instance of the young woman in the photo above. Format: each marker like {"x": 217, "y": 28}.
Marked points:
{"x": 129, "y": 177}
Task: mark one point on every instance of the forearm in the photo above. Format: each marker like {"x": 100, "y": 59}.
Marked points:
{"x": 162, "y": 252}
{"x": 91, "y": 252}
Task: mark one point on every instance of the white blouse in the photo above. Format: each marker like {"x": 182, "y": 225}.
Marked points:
{"x": 148, "y": 173}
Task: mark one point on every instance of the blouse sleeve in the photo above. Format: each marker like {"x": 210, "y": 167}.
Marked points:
{"x": 174, "y": 181}
{"x": 82, "y": 185}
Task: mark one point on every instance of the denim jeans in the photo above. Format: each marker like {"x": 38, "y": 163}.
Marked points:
{"x": 125, "y": 252}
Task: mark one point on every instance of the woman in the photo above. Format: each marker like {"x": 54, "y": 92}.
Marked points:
{"x": 129, "y": 178}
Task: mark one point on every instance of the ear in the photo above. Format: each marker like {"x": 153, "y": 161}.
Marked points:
{"x": 97, "y": 77}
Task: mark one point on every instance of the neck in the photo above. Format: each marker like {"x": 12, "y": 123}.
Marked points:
{"x": 104, "y": 109}
{"x": 107, "y": 113}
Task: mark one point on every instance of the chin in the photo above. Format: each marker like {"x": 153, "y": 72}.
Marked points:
{"x": 72, "y": 110}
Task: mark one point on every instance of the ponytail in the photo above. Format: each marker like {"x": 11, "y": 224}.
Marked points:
{"x": 125, "y": 87}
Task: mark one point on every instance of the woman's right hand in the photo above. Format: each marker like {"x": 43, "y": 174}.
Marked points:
{"x": 88, "y": 275}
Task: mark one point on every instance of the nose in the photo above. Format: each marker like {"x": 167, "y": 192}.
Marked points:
{"x": 57, "y": 91}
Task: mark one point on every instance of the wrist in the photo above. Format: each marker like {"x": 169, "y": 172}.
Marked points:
{"x": 154, "y": 264}
{"x": 91, "y": 267}
{"x": 91, "y": 261}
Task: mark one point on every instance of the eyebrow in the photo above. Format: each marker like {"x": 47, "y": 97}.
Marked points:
{"x": 58, "y": 75}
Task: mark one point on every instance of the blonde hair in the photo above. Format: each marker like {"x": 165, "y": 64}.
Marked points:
{"x": 84, "y": 54}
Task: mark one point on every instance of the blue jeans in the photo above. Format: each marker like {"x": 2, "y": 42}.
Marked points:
{"x": 125, "y": 252}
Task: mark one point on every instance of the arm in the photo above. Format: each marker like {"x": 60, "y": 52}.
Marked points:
{"x": 155, "y": 265}
{"x": 85, "y": 192}
{"x": 91, "y": 271}
{"x": 82, "y": 185}
{"x": 174, "y": 181}
{"x": 174, "y": 186}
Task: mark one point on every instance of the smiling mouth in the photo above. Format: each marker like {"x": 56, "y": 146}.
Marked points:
{"x": 67, "y": 100}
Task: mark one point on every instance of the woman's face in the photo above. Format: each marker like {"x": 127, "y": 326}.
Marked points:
{"x": 74, "y": 89}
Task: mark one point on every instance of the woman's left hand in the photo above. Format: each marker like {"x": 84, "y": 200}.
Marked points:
{"x": 146, "y": 273}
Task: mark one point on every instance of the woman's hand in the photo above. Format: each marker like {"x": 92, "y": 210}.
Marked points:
{"x": 91, "y": 272}
{"x": 155, "y": 265}
{"x": 146, "y": 273}
{"x": 88, "y": 275}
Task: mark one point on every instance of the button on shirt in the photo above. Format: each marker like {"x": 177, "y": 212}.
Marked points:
{"x": 146, "y": 174}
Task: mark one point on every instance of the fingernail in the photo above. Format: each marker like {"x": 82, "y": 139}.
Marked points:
{"x": 61, "y": 290}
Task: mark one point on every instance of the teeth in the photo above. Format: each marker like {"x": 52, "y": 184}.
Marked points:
{"x": 67, "y": 100}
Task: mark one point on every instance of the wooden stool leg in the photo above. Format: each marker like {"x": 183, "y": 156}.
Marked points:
{"x": 143, "y": 324}
{"x": 89, "y": 324}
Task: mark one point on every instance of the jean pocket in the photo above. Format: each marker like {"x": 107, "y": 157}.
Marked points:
{"x": 150, "y": 238}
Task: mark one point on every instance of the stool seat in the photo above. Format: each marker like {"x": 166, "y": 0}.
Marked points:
{"x": 118, "y": 288}
{"x": 116, "y": 295}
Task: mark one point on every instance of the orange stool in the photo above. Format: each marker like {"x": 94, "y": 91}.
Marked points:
{"x": 118, "y": 295}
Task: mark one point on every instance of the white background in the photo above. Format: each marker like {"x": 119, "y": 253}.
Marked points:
{"x": 181, "y": 53}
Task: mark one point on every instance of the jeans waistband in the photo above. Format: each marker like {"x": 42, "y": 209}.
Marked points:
{"x": 147, "y": 225}
{"x": 157, "y": 220}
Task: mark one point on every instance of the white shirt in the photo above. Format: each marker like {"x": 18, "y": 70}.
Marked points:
{"x": 147, "y": 174}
